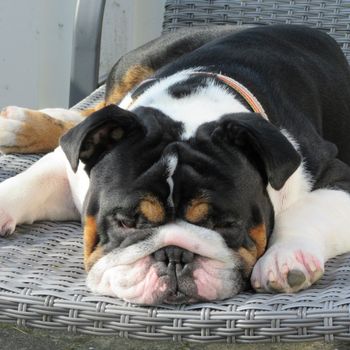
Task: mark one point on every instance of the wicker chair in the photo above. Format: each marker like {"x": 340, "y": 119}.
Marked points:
{"x": 42, "y": 277}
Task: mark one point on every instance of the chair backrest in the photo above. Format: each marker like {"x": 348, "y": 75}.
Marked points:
{"x": 86, "y": 49}
{"x": 332, "y": 16}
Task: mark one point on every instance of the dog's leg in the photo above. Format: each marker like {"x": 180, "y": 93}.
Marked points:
{"x": 29, "y": 131}
{"x": 42, "y": 192}
{"x": 305, "y": 236}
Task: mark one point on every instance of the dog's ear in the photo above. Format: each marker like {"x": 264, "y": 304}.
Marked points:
{"x": 97, "y": 134}
{"x": 258, "y": 137}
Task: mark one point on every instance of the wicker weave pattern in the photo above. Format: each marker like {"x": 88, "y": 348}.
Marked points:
{"x": 42, "y": 280}
{"x": 332, "y": 16}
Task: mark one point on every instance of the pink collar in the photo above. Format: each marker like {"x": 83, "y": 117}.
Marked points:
{"x": 248, "y": 96}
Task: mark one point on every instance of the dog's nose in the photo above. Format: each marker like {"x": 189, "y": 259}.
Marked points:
{"x": 172, "y": 255}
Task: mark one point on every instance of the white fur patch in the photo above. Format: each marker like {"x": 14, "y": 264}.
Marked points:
{"x": 40, "y": 192}
{"x": 204, "y": 105}
{"x": 296, "y": 187}
{"x": 8, "y": 132}
{"x": 320, "y": 219}
{"x": 14, "y": 113}
{"x": 171, "y": 166}
{"x": 79, "y": 182}
{"x": 11, "y": 121}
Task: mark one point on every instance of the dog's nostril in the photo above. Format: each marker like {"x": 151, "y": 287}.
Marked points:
{"x": 173, "y": 255}
{"x": 159, "y": 255}
{"x": 187, "y": 257}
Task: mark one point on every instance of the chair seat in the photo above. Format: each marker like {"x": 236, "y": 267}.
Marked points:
{"x": 42, "y": 279}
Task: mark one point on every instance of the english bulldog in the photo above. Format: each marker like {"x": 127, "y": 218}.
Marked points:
{"x": 218, "y": 160}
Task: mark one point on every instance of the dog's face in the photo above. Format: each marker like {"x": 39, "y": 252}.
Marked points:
{"x": 172, "y": 220}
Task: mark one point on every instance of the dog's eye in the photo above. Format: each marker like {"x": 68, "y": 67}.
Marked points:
{"x": 226, "y": 224}
{"x": 122, "y": 220}
{"x": 126, "y": 223}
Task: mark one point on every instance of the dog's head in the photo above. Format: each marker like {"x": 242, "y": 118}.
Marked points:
{"x": 172, "y": 220}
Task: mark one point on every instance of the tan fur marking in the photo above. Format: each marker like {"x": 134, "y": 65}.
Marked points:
{"x": 88, "y": 111}
{"x": 197, "y": 211}
{"x": 40, "y": 133}
{"x": 97, "y": 254}
{"x": 249, "y": 259}
{"x": 90, "y": 239}
{"x": 133, "y": 76}
{"x": 252, "y": 254}
{"x": 258, "y": 235}
{"x": 152, "y": 209}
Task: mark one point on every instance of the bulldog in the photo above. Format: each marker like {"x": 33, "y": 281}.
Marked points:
{"x": 217, "y": 160}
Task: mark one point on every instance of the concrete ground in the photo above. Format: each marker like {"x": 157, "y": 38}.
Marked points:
{"x": 12, "y": 338}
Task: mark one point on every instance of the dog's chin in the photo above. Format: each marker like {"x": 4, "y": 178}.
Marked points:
{"x": 149, "y": 282}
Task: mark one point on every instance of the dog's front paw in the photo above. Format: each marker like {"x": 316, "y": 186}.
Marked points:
{"x": 286, "y": 269}
{"x": 7, "y": 224}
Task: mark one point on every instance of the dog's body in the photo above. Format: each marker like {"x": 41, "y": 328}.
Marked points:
{"x": 184, "y": 187}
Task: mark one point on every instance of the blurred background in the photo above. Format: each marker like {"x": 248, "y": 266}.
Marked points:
{"x": 38, "y": 48}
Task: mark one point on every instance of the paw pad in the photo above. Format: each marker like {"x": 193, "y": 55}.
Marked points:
{"x": 296, "y": 278}
{"x": 283, "y": 269}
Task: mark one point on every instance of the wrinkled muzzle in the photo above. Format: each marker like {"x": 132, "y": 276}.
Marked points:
{"x": 177, "y": 263}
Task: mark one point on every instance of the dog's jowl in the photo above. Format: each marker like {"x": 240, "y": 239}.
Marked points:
{"x": 219, "y": 161}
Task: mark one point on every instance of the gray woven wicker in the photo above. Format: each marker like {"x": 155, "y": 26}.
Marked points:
{"x": 42, "y": 281}
{"x": 332, "y": 16}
